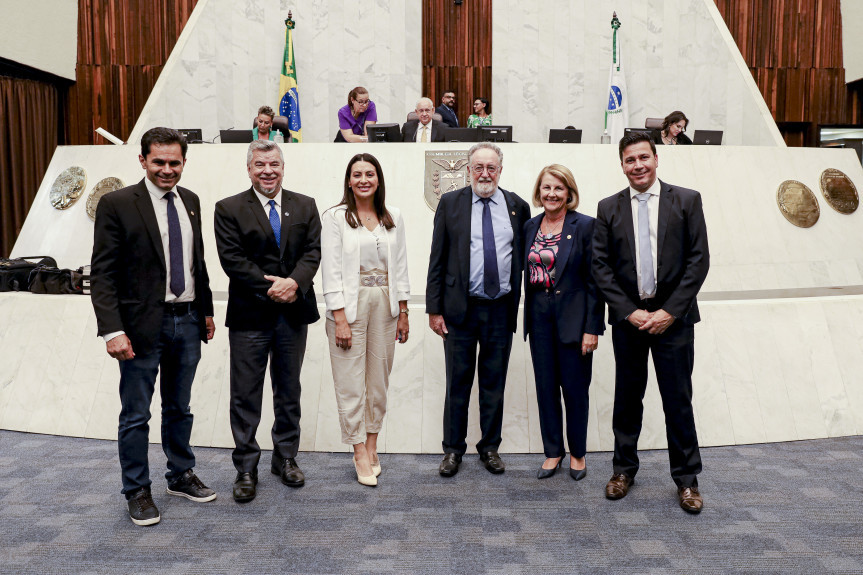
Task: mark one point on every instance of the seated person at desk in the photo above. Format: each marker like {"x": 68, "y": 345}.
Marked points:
{"x": 447, "y": 109}
{"x": 481, "y": 115}
{"x": 263, "y": 129}
{"x": 359, "y": 113}
{"x": 424, "y": 128}
{"x": 673, "y": 128}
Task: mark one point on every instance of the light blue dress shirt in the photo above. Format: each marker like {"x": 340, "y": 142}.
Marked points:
{"x": 503, "y": 234}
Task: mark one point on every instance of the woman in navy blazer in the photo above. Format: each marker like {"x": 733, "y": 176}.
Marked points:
{"x": 563, "y": 315}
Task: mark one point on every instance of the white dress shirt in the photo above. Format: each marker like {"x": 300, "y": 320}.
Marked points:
{"x": 419, "y": 135}
{"x": 653, "y": 212}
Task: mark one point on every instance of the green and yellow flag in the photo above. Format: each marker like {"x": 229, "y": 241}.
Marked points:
{"x": 289, "y": 97}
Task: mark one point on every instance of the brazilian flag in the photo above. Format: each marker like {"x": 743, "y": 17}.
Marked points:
{"x": 289, "y": 97}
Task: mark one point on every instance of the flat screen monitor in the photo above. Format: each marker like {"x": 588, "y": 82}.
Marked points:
{"x": 707, "y": 137}
{"x": 384, "y": 133}
{"x": 461, "y": 134}
{"x": 649, "y": 131}
{"x": 495, "y": 133}
{"x": 235, "y": 136}
{"x": 569, "y": 136}
{"x": 830, "y": 133}
{"x": 193, "y": 135}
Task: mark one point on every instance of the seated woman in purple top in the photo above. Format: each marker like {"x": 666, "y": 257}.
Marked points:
{"x": 359, "y": 113}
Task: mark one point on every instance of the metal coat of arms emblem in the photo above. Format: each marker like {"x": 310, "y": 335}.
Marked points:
{"x": 444, "y": 172}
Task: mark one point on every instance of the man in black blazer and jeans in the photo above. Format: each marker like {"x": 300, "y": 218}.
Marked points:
{"x": 472, "y": 295}
{"x": 650, "y": 258}
{"x": 269, "y": 242}
{"x": 151, "y": 294}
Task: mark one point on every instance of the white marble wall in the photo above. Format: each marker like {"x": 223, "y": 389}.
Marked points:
{"x": 766, "y": 369}
{"x": 551, "y": 62}
{"x": 227, "y": 63}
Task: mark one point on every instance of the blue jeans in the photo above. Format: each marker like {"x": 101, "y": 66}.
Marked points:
{"x": 176, "y": 353}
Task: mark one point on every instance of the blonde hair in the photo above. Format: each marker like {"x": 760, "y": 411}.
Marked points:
{"x": 563, "y": 174}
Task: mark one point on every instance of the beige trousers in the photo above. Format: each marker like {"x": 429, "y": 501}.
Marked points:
{"x": 361, "y": 374}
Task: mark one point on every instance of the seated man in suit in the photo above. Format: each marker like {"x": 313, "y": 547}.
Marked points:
{"x": 269, "y": 242}
{"x": 423, "y": 129}
{"x": 447, "y": 109}
{"x": 472, "y": 294}
{"x": 650, "y": 257}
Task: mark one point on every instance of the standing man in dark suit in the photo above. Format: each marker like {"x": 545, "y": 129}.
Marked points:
{"x": 151, "y": 294}
{"x": 472, "y": 294}
{"x": 447, "y": 109}
{"x": 269, "y": 242}
{"x": 424, "y": 128}
{"x": 650, "y": 258}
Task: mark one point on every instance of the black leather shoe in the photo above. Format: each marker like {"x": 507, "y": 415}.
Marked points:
{"x": 492, "y": 462}
{"x": 449, "y": 464}
{"x": 288, "y": 470}
{"x": 245, "y": 487}
{"x": 578, "y": 474}
{"x": 189, "y": 486}
{"x": 544, "y": 473}
{"x": 142, "y": 510}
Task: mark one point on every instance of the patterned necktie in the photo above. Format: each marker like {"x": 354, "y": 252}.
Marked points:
{"x": 648, "y": 282}
{"x": 275, "y": 222}
{"x": 425, "y": 136}
{"x": 490, "y": 277}
{"x": 175, "y": 248}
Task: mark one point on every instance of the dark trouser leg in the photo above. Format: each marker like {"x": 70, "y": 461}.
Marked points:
{"x": 181, "y": 352}
{"x": 286, "y": 360}
{"x": 137, "y": 382}
{"x": 576, "y": 371}
{"x": 630, "y": 381}
{"x": 460, "y": 353}
{"x": 673, "y": 358}
{"x": 495, "y": 343}
{"x": 546, "y": 370}
{"x": 249, "y": 352}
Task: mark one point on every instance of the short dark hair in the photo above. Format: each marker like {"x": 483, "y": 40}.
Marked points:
{"x": 267, "y": 111}
{"x": 162, "y": 136}
{"x": 635, "y": 137}
{"x": 673, "y": 118}
{"x": 486, "y": 102}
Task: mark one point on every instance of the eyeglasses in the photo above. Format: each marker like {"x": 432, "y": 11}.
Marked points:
{"x": 362, "y": 102}
{"x": 479, "y": 169}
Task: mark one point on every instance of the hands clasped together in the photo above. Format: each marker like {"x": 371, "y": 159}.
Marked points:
{"x": 654, "y": 323}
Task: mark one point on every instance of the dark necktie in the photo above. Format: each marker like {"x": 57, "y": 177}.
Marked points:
{"x": 275, "y": 222}
{"x": 175, "y": 248}
{"x": 490, "y": 276}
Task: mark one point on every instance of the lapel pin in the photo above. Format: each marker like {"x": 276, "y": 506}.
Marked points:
{"x": 513, "y": 213}
{"x": 287, "y": 213}
{"x": 568, "y": 236}
{"x": 192, "y": 213}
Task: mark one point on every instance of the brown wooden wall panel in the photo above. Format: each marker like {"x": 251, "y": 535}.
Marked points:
{"x": 122, "y": 47}
{"x": 794, "y": 50}
{"x": 456, "y": 47}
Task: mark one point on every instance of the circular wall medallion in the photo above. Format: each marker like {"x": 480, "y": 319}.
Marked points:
{"x": 68, "y": 187}
{"x": 100, "y": 189}
{"x": 839, "y": 191}
{"x": 797, "y": 203}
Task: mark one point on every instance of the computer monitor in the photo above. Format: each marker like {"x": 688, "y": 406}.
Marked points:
{"x": 495, "y": 133}
{"x": 461, "y": 134}
{"x": 707, "y": 137}
{"x": 567, "y": 136}
{"x": 235, "y": 136}
{"x": 193, "y": 135}
{"x": 384, "y": 133}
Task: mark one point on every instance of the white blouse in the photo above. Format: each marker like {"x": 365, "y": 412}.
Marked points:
{"x": 373, "y": 249}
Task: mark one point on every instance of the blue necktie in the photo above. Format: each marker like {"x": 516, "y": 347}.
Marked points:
{"x": 275, "y": 222}
{"x": 490, "y": 277}
{"x": 175, "y": 248}
{"x": 648, "y": 282}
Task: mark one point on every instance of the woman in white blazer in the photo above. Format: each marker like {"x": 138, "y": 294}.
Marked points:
{"x": 366, "y": 289}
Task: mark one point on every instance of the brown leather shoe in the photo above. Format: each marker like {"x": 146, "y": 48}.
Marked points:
{"x": 618, "y": 486}
{"x": 690, "y": 499}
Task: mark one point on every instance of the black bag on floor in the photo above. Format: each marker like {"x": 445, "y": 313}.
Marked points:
{"x": 51, "y": 280}
{"x": 15, "y": 273}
